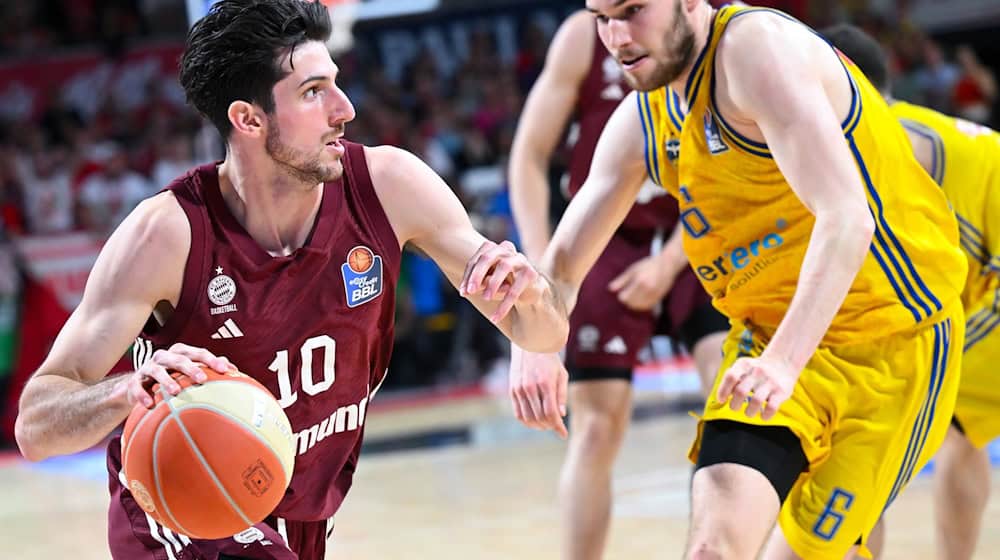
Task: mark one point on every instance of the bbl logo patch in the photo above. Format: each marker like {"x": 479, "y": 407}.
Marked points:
{"x": 362, "y": 276}
{"x": 716, "y": 145}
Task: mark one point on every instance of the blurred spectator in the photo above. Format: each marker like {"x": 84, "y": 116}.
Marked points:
{"x": 11, "y": 207}
{"x": 936, "y": 78}
{"x": 976, "y": 90}
{"x": 109, "y": 194}
{"x": 174, "y": 158}
{"x": 44, "y": 177}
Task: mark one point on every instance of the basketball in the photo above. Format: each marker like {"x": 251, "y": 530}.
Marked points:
{"x": 212, "y": 460}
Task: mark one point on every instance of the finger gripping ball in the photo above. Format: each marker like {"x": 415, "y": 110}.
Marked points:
{"x": 212, "y": 460}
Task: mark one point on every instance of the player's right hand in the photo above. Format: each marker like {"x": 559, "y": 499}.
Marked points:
{"x": 178, "y": 358}
{"x": 538, "y": 385}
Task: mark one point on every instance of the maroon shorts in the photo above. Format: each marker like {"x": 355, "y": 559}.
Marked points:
{"x": 604, "y": 334}
{"x": 134, "y": 535}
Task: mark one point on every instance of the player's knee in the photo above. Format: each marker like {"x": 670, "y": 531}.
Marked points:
{"x": 715, "y": 546}
{"x": 599, "y": 432}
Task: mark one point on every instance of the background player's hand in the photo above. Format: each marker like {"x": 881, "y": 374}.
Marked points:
{"x": 180, "y": 358}
{"x": 538, "y": 384}
{"x": 643, "y": 284}
{"x": 500, "y": 273}
{"x": 763, "y": 383}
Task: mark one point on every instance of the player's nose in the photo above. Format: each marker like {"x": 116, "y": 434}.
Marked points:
{"x": 618, "y": 34}
{"x": 341, "y": 110}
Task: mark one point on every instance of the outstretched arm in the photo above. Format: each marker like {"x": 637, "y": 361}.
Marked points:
{"x": 498, "y": 280}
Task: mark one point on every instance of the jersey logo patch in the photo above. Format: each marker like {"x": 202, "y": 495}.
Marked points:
{"x": 672, "y": 147}
{"x": 221, "y": 291}
{"x": 716, "y": 145}
{"x": 362, "y": 276}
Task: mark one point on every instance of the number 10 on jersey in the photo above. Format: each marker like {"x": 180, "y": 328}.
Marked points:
{"x": 310, "y": 385}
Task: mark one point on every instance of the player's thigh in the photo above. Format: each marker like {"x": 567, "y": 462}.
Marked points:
{"x": 889, "y": 415}
{"x": 603, "y": 332}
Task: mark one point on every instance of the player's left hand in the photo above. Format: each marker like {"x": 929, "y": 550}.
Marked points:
{"x": 762, "y": 383}
{"x": 643, "y": 284}
{"x": 500, "y": 272}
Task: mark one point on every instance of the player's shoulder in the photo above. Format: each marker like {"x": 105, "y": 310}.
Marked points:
{"x": 389, "y": 163}
{"x": 399, "y": 177}
{"x": 579, "y": 24}
{"x": 157, "y": 227}
{"x": 766, "y": 33}
{"x": 570, "y": 53}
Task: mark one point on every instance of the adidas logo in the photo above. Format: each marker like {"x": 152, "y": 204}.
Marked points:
{"x": 616, "y": 346}
{"x": 228, "y": 330}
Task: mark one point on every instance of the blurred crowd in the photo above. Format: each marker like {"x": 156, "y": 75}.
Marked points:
{"x": 68, "y": 169}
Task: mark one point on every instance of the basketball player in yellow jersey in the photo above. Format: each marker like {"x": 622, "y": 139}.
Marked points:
{"x": 832, "y": 252}
{"x": 964, "y": 158}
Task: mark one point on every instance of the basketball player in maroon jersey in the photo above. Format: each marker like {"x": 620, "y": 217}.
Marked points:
{"x": 283, "y": 257}
{"x": 621, "y": 292}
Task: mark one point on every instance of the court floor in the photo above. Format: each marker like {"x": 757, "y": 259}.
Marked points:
{"x": 492, "y": 497}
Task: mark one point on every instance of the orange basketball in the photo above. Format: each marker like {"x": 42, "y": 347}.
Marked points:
{"x": 211, "y": 461}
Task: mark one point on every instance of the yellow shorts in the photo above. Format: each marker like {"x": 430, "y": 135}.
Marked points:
{"x": 869, "y": 416}
{"x": 978, "y": 405}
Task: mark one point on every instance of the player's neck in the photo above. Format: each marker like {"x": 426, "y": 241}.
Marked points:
{"x": 702, "y": 27}
{"x": 277, "y": 212}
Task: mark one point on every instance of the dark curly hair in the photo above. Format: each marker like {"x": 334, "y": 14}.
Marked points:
{"x": 234, "y": 53}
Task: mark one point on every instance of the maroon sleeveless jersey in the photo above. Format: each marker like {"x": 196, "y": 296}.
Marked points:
{"x": 314, "y": 327}
{"x": 599, "y": 95}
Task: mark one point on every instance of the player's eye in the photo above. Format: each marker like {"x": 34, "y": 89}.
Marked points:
{"x": 632, "y": 10}
{"x": 311, "y": 92}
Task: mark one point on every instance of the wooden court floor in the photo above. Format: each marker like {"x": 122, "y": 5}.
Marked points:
{"x": 480, "y": 501}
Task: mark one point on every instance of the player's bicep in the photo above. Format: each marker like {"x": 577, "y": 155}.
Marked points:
{"x": 141, "y": 264}
{"x": 617, "y": 173}
{"x": 423, "y": 210}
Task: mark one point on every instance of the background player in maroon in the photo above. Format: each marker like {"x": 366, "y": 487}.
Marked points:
{"x": 283, "y": 257}
{"x": 627, "y": 293}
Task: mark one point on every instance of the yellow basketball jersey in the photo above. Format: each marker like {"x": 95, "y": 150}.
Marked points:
{"x": 746, "y": 231}
{"x": 662, "y": 118}
{"x": 966, "y": 163}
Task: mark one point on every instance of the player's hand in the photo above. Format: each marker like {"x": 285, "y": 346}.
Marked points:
{"x": 179, "y": 358}
{"x": 762, "y": 383}
{"x": 500, "y": 273}
{"x": 538, "y": 384}
{"x": 643, "y": 284}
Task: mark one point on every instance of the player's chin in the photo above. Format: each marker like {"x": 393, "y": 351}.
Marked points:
{"x": 331, "y": 169}
{"x": 640, "y": 82}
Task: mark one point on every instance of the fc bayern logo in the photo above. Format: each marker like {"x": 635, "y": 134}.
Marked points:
{"x": 221, "y": 290}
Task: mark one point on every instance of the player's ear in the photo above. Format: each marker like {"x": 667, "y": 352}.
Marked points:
{"x": 245, "y": 118}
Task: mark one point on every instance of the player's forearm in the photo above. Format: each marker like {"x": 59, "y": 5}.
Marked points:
{"x": 542, "y": 326}
{"x": 529, "y": 194}
{"x": 59, "y": 416}
{"x": 837, "y": 248}
{"x": 672, "y": 257}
